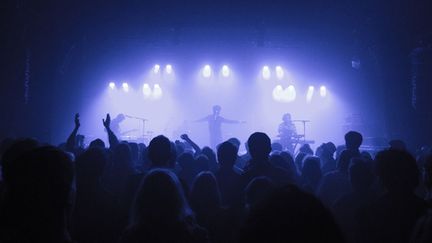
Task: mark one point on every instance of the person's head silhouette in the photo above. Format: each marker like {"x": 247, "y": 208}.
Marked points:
{"x": 227, "y": 154}
{"x": 160, "y": 199}
{"x": 290, "y": 215}
{"x": 37, "y": 199}
{"x": 353, "y": 140}
{"x": 311, "y": 169}
{"x": 397, "y": 171}
{"x": 90, "y": 165}
{"x": 97, "y": 143}
{"x": 159, "y": 151}
{"x": 216, "y": 110}
{"x": 259, "y": 145}
{"x": 397, "y": 144}
{"x": 15, "y": 150}
{"x": 204, "y": 194}
{"x": 186, "y": 160}
{"x": 329, "y": 149}
{"x": 235, "y": 141}
{"x": 286, "y": 118}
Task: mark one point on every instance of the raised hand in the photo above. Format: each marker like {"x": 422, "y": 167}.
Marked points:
{"x": 107, "y": 121}
{"x": 77, "y": 120}
{"x": 184, "y": 137}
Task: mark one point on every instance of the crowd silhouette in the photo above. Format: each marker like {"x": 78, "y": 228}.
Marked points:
{"x": 177, "y": 191}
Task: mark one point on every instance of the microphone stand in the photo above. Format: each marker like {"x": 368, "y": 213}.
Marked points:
{"x": 143, "y": 120}
{"x": 304, "y": 127}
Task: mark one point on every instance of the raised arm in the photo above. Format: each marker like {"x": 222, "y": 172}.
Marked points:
{"x": 71, "y": 141}
{"x": 224, "y": 120}
{"x": 204, "y": 119}
{"x": 191, "y": 143}
{"x": 112, "y": 138}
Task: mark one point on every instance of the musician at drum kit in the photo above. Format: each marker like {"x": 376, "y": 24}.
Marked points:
{"x": 115, "y": 123}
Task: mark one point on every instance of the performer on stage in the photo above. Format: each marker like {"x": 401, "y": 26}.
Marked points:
{"x": 115, "y": 124}
{"x": 287, "y": 131}
{"x": 215, "y": 125}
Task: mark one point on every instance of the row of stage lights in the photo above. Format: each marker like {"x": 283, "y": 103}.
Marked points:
{"x": 225, "y": 71}
{"x": 289, "y": 94}
{"x": 206, "y": 71}
{"x": 266, "y": 72}
{"x": 279, "y": 93}
{"x": 147, "y": 91}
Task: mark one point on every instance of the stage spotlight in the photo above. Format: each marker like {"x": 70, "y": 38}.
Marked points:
{"x": 168, "y": 69}
{"x": 278, "y": 93}
{"x": 225, "y": 71}
{"x": 207, "y": 72}
{"x": 156, "y": 69}
{"x": 279, "y": 72}
{"x": 112, "y": 85}
{"x": 146, "y": 90}
{"x": 310, "y": 93}
{"x": 323, "y": 91}
{"x": 291, "y": 94}
{"x": 157, "y": 91}
{"x": 125, "y": 87}
{"x": 266, "y": 72}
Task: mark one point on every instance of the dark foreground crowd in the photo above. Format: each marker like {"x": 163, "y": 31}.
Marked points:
{"x": 178, "y": 192}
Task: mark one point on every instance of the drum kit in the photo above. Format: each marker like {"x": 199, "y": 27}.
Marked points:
{"x": 143, "y": 137}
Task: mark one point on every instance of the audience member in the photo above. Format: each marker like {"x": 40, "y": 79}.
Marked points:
{"x": 311, "y": 174}
{"x": 353, "y": 141}
{"x": 37, "y": 201}
{"x": 134, "y": 193}
{"x": 290, "y": 215}
{"x": 229, "y": 180}
{"x": 91, "y": 221}
{"x": 260, "y": 147}
{"x": 161, "y": 212}
{"x": 392, "y": 217}
{"x": 335, "y": 184}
